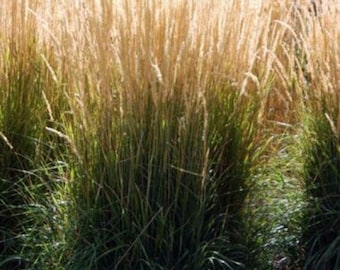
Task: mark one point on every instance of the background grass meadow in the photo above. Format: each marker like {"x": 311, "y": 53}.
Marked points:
{"x": 169, "y": 134}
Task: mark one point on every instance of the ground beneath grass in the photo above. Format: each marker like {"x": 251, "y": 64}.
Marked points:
{"x": 275, "y": 207}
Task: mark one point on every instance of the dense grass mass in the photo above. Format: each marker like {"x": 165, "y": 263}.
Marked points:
{"x": 322, "y": 181}
{"x": 169, "y": 134}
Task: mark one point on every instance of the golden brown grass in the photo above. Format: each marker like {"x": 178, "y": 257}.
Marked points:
{"x": 164, "y": 43}
{"x": 138, "y": 90}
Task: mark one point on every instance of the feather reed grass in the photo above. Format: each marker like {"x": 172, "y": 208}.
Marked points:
{"x": 131, "y": 130}
{"x": 321, "y": 144}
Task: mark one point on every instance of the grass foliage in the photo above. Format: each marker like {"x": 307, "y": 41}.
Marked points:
{"x": 322, "y": 181}
{"x": 168, "y": 134}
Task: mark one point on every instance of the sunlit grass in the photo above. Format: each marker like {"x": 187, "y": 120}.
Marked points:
{"x": 134, "y": 133}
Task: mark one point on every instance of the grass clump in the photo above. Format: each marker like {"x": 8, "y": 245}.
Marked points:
{"x": 321, "y": 144}
{"x": 158, "y": 183}
{"x": 322, "y": 186}
{"x": 30, "y": 158}
{"x": 29, "y": 153}
{"x": 163, "y": 175}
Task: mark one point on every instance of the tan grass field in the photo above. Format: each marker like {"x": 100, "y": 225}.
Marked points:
{"x": 247, "y": 42}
